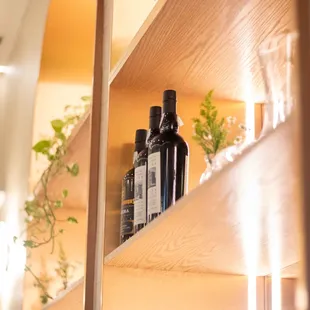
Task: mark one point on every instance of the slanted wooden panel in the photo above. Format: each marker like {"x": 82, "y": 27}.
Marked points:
{"x": 134, "y": 289}
{"x": 71, "y": 299}
{"x": 247, "y": 207}
{"x": 292, "y": 271}
{"x": 197, "y": 45}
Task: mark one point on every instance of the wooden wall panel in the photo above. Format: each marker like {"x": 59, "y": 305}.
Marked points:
{"x": 288, "y": 287}
{"x": 135, "y": 289}
{"x": 128, "y": 112}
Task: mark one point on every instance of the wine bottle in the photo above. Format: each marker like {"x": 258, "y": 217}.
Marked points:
{"x": 167, "y": 161}
{"x": 127, "y": 206}
{"x": 140, "y": 202}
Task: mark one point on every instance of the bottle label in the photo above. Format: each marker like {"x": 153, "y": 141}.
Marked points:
{"x": 127, "y": 214}
{"x": 153, "y": 192}
{"x": 127, "y": 208}
{"x": 140, "y": 195}
{"x": 186, "y": 175}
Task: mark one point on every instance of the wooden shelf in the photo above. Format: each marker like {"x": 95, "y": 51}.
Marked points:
{"x": 194, "y": 46}
{"x": 291, "y": 271}
{"x": 214, "y": 229}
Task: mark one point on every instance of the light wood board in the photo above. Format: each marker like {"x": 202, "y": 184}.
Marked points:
{"x": 197, "y": 45}
{"x": 152, "y": 290}
{"x": 244, "y": 213}
{"x": 288, "y": 293}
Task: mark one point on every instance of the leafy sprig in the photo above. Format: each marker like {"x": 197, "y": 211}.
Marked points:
{"x": 210, "y": 131}
{"x": 64, "y": 268}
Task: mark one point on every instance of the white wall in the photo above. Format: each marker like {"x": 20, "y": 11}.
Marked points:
{"x": 2, "y": 89}
{"x": 11, "y": 17}
{"x": 19, "y": 106}
{"x": 51, "y": 99}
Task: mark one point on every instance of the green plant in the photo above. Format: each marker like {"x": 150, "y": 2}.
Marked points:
{"x": 64, "y": 267}
{"x": 210, "y": 131}
{"x": 41, "y": 208}
{"x": 43, "y": 282}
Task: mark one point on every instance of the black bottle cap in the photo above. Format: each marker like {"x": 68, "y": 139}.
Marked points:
{"x": 155, "y": 111}
{"x": 169, "y": 94}
{"x": 169, "y": 101}
{"x": 140, "y": 135}
{"x": 155, "y": 116}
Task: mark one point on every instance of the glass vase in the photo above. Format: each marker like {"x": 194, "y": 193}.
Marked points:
{"x": 218, "y": 162}
{"x": 278, "y": 59}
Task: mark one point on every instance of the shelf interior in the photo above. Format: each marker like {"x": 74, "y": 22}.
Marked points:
{"x": 129, "y": 111}
{"x": 243, "y": 213}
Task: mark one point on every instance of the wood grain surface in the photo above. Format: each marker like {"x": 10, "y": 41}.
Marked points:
{"x": 197, "y": 45}
{"x": 152, "y": 290}
{"x": 243, "y": 216}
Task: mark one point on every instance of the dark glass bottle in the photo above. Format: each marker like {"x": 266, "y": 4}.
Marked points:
{"x": 127, "y": 207}
{"x": 167, "y": 161}
{"x": 140, "y": 203}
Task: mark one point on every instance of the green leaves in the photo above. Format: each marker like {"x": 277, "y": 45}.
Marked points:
{"x": 60, "y": 136}
{"x": 74, "y": 169}
{"x": 86, "y": 98}
{"x": 29, "y": 244}
{"x": 65, "y": 193}
{"x": 44, "y": 299}
{"x": 58, "y": 204}
{"x": 209, "y": 131}
{"x": 42, "y": 146}
{"x": 72, "y": 220}
{"x": 57, "y": 125}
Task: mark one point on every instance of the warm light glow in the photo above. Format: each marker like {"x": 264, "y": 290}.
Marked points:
{"x": 14, "y": 259}
{"x": 274, "y": 232}
{"x": 249, "y": 108}
{"x": 3, "y": 251}
{"x": 250, "y": 120}
{"x": 2, "y": 199}
{"x": 4, "y": 69}
{"x": 250, "y": 221}
{"x": 252, "y": 292}
{"x": 30, "y": 198}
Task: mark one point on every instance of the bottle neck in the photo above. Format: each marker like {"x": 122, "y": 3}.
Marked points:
{"x": 169, "y": 122}
{"x": 153, "y": 132}
{"x": 138, "y": 148}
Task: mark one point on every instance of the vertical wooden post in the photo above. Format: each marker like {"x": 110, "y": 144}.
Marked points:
{"x": 98, "y": 146}
{"x": 303, "y": 17}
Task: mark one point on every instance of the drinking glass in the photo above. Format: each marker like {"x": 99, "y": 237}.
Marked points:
{"x": 278, "y": 59}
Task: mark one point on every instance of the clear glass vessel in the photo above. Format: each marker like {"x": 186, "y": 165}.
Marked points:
{"x": 278, "y": 59}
